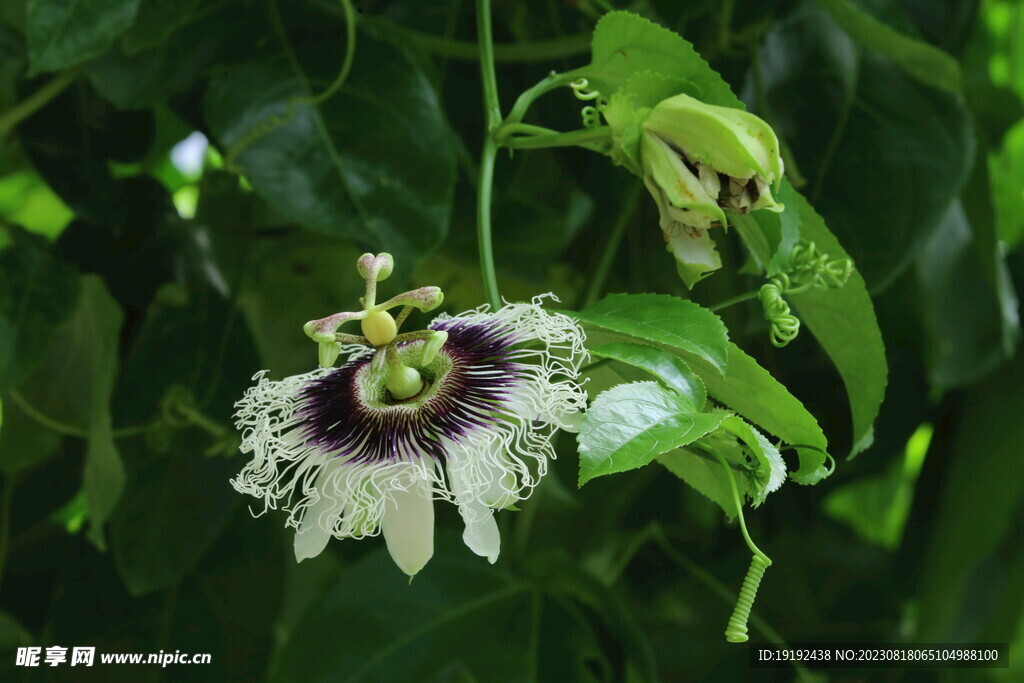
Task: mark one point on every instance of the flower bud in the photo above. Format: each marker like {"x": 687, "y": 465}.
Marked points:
{"x": 700, "y": 162}
{"x": 738, "y": 147}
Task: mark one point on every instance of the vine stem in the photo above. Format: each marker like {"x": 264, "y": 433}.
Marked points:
{"x": 591, "y": 138}
{"x": 36, "y": 100}
{"x": 739, "y": 506}
{"x": 60, "y": 427}
{"x": 735, "y": 300}
{"x": 526, "y": 52}
{"x": 488, "y": 156}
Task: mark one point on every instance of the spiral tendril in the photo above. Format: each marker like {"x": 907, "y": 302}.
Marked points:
{"x": 592, "y": 113}
{"x": 736, "y": 630}
{"x": 808, "y": 268}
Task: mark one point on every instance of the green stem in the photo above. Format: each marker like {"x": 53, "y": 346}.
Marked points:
{"x": 36, "y": 100}
{"x": 60, "y": 427}
{"x": 595, "y": 139}
{"x": 739, "y": 507}
{"x": 527, "y": 52}
{"x": 350, "y": 53}
{"x": 488, "y": 156}
{"x": 507, "y": 130}
{"x": 483, "y": 223}
{"x": 735, "y": 300}
{"x": 611, "y": 247}
{"x": 197, "y": 419}
{"x": 551, "y": 82}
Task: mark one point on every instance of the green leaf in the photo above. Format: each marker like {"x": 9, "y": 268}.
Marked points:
{"x": 663, "y": 319}
{"x": 37, "y": 293}
{"x": 844, "y": 323}
{"x": 842, "y": 320}
{"x": 757, "y": 466}
{"x": 172, "y": 511}
{"x": 876, "y": 507}
{"x": 770, "y": 236}
{"x": 976, "y": 517}
{"x": 396, "y": 630}
{"x": 971, "y": 324}
{"x": 626, "y": 43}
{"x": 752, "y": 392}
{"x": 98, "y": 327}
{"x": 1006, "y": 170}
{"x": 630, "y": 425}
{"x": 865, "y": 146}
{"x": 664, "y": 365}
{"x": 157, "y": 19}
{"x": 61, "y": 34}
{"x": 770, "y": 470}
{"x": 704, "y": 473}
{"x": 924, "y": 62}
{"x": 377, "y": 160}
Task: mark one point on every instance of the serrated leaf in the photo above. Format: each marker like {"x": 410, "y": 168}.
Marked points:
{"x": 664, "y": 365}
{"x": 61, "y": 33}
{"x": 626, "y": 43}
{"x": 771, "y": 470}
{"x": 663, "y": 319}
{"x": 752, "y": 392}
{"x": 844, "y": 323}
{"x": 630, "y": 425}
{"x": 842, "y": 320}
{"x": 698, "y": 466}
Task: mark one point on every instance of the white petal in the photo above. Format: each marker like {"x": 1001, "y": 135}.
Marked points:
{"x": 481, "y": 534}
{"x": 408, "y": 527}
{"x": 310, "y": 540}
{"x": 313, "y": 535}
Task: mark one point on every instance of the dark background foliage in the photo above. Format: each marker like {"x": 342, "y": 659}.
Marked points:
{"x": 139, "y": 293}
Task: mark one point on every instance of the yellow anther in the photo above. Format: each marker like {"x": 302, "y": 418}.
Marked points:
{"x": 379, "y": 328}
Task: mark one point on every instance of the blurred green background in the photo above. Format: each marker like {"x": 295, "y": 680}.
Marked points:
{"x": 172, "y": 211}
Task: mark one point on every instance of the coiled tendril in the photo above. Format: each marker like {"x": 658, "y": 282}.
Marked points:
{"x": 808, "y": 268}
{"x": 591, "y": 114}
{"x": 736, "y": 630}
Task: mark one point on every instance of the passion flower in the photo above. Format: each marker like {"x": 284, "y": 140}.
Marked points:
{"x": 464, "y": 412}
